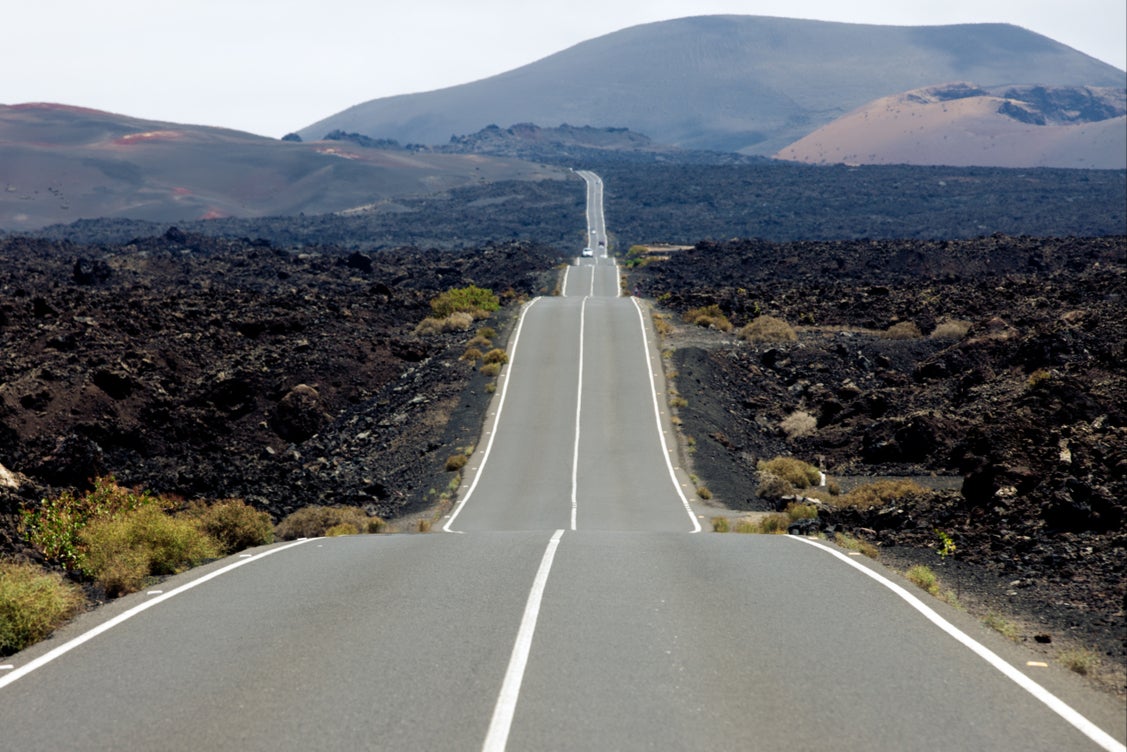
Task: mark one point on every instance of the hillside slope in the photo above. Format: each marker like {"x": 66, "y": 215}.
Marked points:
{"x": 60, "y": 163}
{"x": 728, "y": 83}
{"x": 962, "y": 124}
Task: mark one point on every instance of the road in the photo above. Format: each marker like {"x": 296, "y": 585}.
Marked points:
{"x": 569, "y": 603}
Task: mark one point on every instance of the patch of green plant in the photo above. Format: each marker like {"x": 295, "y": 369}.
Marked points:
{"x": 1079, "y": 660}
{"x": 33, "y": 604}
{"x": 54, "y": 525}
{"x": 922, "y": 576}
{"x": 490, "y": 369}
{"x": 487, "y": 333}
{"x": 474, "y": 300}
{"x": 1002, "y": 626}
{"x": 704, "y": 493}
{"x": 121, "y": 553}
{"x": 862, "y": 547}
{"x": 768, "y": 329}
{"x": 233, "y": 523}
{"x": 342, "y": 528}
{"x": 796, "y": 511}
{"x": 797, "y": 473}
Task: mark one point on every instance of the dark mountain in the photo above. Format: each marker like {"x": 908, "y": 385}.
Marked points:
{"x": 61, "y": 163}
{"x": 726, "y": 83}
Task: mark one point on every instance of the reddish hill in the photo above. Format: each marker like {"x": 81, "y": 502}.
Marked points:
{"x": 60, "y": 163}
{"x": 964, "y": 125}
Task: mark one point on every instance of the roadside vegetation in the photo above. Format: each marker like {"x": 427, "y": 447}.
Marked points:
{"x": 112, "y": 540}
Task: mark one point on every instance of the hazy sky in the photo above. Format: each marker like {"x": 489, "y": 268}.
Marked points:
{"x": 274, "y": 66}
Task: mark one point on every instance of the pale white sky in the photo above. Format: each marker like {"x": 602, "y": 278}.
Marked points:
{"x": 274, "y": 66}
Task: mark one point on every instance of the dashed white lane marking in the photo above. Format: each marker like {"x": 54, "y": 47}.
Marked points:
{"x": 502, "y": 722}
{"x": 1054, "y": 703}
{"x": 105, "y": 626}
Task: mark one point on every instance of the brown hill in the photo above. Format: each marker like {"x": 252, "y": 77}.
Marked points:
{"x": 62, "y": 163}
{"x": 963, "y": 124}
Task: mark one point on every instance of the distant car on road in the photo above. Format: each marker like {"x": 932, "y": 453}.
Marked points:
{"x": 587, "y": 252}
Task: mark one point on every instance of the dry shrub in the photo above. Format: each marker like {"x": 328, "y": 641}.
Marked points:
{"x": 797, "y": 473}
{"x": 922, "y": 576}
{"x": 496, "y": 355}
{"x": 721, "y": 525}
{"x": 481, "y": 343}
{"x": 709, "y": 317}
{"x": 487, "y": 333}
{"x": 234, "y": 524}
{"x": 796, "y": 511}
{"x": 342, "y": 528}
{"x": 768, "y": 329}
{"x": 471, "y": 354}
{"x": 704, "y": 493}
{"x": 661, "y": 324}
{"x": 33, "y": 604}
{"x": 797, "y": 424}
{"x": 772, "y": 486}
{"x": 951, "y": 329}
{"x": 459, "y": 321}
{"x": 902, "y": 330}
{"x": 120, "y": 553}
{"x": 315, "y": 521}
{"x": 490, "y": 369}
{"x": 456, "y": 462}
{"x": 879, "y": 493}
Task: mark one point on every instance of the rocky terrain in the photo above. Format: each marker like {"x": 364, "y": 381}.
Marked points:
{"x": 216, "y": 367}
{"x": 213, "y": 368}
{"x": 1000, "y": 389}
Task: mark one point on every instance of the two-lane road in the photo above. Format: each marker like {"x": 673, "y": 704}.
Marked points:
{"x": 569, "y": 605}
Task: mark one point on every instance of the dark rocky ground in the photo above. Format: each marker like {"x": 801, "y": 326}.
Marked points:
{"x": 1023, "y": 416}
{"x": 210, "y": 367}
{"x": 216, "y": 368}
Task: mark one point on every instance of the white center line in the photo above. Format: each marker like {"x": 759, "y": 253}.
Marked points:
{"x": 498, "y": 735}
{"x": 578, "y": 410}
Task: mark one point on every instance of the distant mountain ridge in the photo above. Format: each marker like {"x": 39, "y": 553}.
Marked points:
{"x": 751, "y": 84}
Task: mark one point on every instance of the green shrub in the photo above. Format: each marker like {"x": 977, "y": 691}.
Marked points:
{"x": 709, "y": 317}
{"x": 487, "y": 333}
{"x": 490, "y": 369}
{"x": 768, "y": 329}
{"x": 1080, "y": 661}
{"x": 53, "y": 527}
{"x": 922, "y": 576}
{"x": 474, "y": 300}
{"x": 795, "y": 472}
{"x": 120, "y": 553}
{"x": 796, "y": 511}
{"x": 234, "y": 524}
{"x": 774, "y": 524}
{"x": 33, "y": 604}
{"x": 1002, "y": 626}
{"x": 342, "y": 528}
{"x": 855, "y": 544}
{"x": 315, "y": 521}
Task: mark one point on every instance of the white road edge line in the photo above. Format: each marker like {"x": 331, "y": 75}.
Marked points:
{"x": 578, "y": 413}
{"x": 496, "y": 420}
{"x": 1058, "y": 706}
{"x": 66, "y": 647}
{"x": 657, "y": 418}
{"x": 498, "y": 735}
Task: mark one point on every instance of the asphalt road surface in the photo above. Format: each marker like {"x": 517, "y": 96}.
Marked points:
{"x": 569, "y": 603}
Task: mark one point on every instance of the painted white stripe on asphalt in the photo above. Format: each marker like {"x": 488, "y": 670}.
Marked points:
{"x": 657, "y": 419}
{"x": 578, "y": 412}
{"x": 66, "y": 647}
{"x": 498, "y": 735}
{"x": 500, "y": 407}
{"x": 563, "y": 289}
{"x": 1058, "y": 706}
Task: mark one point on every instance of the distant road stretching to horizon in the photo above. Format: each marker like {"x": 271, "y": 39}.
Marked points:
{"x": 572, "y": 602}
